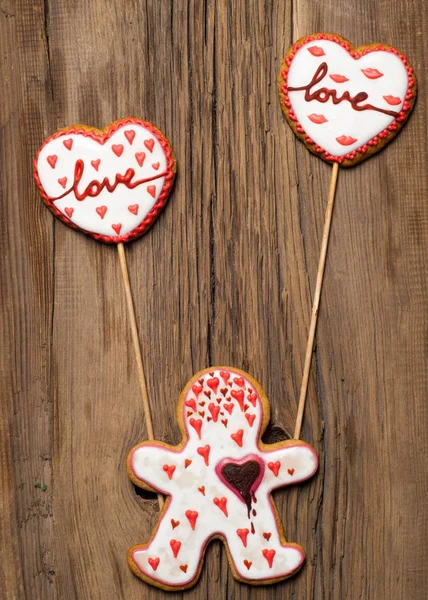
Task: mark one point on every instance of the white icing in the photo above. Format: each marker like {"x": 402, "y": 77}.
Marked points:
{"x": 117, "y": 202}
{"x": 342, "y": 119}
{"x": 147, "y": 462}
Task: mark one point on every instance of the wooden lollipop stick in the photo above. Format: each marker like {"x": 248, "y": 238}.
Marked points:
{"x": 137, "y": 348}
{"x": 316, "y": 301}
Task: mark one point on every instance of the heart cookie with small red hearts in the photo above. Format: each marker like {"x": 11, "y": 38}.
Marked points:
{"x": 110, "y": 183}
{"x": 345, "y": 103}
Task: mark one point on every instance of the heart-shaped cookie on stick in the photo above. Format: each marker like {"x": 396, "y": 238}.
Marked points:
{"x": 345, "y": 104}
{"x": 110, "y": 184}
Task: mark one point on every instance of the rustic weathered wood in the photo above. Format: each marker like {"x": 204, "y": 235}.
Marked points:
{"x": 226, "y": 276}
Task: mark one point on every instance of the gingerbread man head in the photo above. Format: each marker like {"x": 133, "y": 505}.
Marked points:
{"x": 219, "y": 480}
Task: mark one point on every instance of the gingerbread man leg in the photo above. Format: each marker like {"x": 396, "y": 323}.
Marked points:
{"x": 258, "y": 552}
{"x": 173, "y": 557}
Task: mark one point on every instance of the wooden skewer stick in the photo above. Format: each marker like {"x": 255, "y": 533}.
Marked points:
{"x": 316, "y": 301}
{"x": 137, "y": 348}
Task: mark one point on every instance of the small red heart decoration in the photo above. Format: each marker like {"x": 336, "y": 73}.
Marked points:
{"x": 133, "y": 208}
{"x": 101, "y": 210}
{"x": 117, "y": 149}
{"x": 154, "y": 563}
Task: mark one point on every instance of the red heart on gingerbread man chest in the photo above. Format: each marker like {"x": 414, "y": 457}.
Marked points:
{"x": 95, "y": 180}
{"x": 345, "y": 103}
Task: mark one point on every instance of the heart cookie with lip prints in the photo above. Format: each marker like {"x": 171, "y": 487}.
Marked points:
{"x": 110, "y": 183}
{"x": 345, "y": 103}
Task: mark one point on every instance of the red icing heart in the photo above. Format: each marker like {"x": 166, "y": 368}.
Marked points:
{"x": 52, "y": 160}
{"x": 69, "y": 212}
{"x": 101, "y": 210}
{"x": 154, "y": 563}
{"x": 169, "y": 470}
{"x": 117, "y": 149}
{"x": 124, "y": 183}
{"x": 130, "y": 135}
{"x": 248, "y": 564}
{"x": 252, "y": 398}
{"x": 202, "y": 403}
{"x": 239, "y": 397}
{"x": 197, "y": 425}
{"x": 175, "y": 547}
{"x": 237, "y": 437}
{"x": 117, "y": 227}
{"x": 205, "y": 452}
{"x": 229, "y": 407}
{"x": 187, "y": 462}
{"x": 274, "y": 467}
{"x": 290, "y": 471}
{"x": 225, "y": 375}
{"x": 225, "y": 422}
{"x": 191, "y": 404}
{"x": 214, "y": 410}
{"x": 243, "y": 534}
{"x": 197, "y": 389}
{"x": 269, "y": 556}
{"x": 174, "y": 523}
{"x": 239, "y": 381}
{"x": 151, "y": 190}
{"x": 222, "y": 504}
{"x": 140, "y": 156}
{"x": 183, "y": 568}
{"x": 213, "y": 383}
{"x": 250, "y": 419}
{"x": 149, "y": 145}
{"x": 156, "y": 166}
{"x": 192, "y": 515}
{"x": 133, "y": 208}
{"x": 202, "y": 490}
{"x": 267, "y": 536}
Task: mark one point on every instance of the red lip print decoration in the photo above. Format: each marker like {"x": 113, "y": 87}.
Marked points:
{"x": 372, "y": 73}
{"x": 339, "y": 78}
{"x": 77, "y": 164}
{"x": 392, "y": 100}
{"x": 319, "y": 119}
{"x": 345, "y": 103}
{"x": 316, "y": 51}
{"x": 346, "y": 140}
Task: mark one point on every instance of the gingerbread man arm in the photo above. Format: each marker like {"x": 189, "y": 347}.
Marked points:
{"x": 152, "y": 465}
{"x": 293, "y": 461}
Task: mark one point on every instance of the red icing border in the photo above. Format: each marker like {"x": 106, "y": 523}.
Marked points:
{"x": 101, "y": 136}
{"x": 356, "y": 53}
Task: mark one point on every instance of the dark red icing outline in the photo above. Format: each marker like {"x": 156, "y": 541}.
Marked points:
{"x": 356, "y": 54}
{"x": 102, "y": 136}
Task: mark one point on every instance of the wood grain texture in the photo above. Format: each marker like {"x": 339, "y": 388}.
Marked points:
{"x": 225, "y": 276}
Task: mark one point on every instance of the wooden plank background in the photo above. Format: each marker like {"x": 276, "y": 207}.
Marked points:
{"x": 225, "y": 276}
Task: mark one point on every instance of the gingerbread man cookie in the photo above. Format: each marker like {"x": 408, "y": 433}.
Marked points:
{"x": 218, "y": 481}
